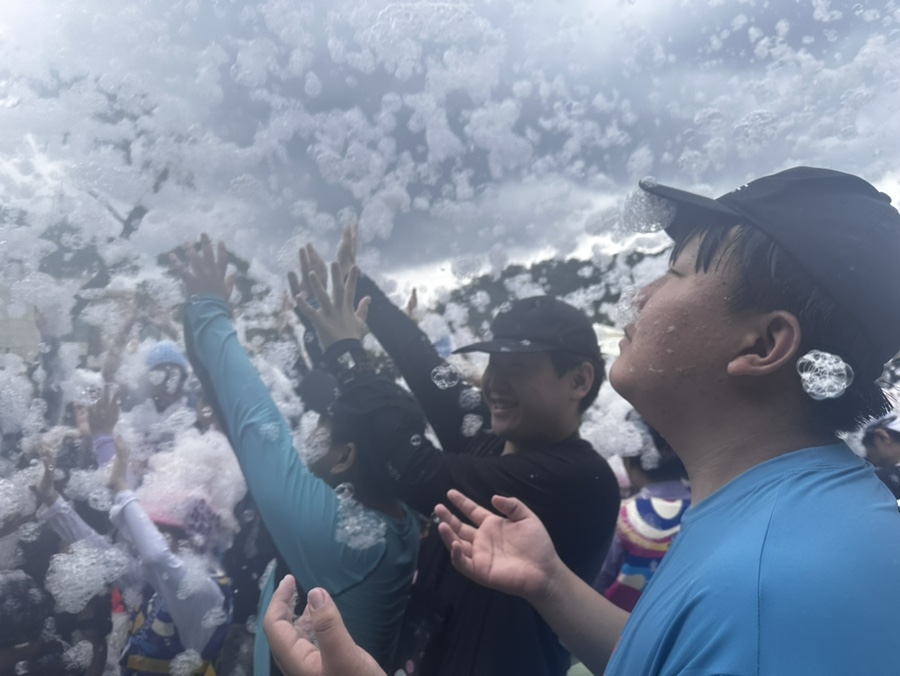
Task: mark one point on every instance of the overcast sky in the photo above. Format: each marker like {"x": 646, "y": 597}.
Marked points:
{"x": 460, "y": 135}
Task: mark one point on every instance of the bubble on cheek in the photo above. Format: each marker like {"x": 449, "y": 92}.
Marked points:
{"x": 824, "y": 375}
{"x": 156, "y": 378}
{"x": 643, "y": 212}
{"x": 628, "y": 307}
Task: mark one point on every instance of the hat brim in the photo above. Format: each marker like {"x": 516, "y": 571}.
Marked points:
{"x": 505, "y": 345}
{"x": 693, "y": 205}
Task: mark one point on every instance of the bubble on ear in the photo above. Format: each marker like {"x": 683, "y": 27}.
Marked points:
{"x": 644, "y": 212}
{"x": 824, "y": 375}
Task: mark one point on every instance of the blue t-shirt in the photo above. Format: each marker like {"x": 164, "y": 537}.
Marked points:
{"x": 791, "y": 568}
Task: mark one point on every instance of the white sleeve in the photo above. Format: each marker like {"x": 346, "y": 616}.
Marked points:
{"x": 66, "y": 523}
{"x": 166, "y": 573}
{"x": 70, "y": 527}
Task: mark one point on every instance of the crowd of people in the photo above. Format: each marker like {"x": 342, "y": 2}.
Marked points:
{"x": 451, "y": 525}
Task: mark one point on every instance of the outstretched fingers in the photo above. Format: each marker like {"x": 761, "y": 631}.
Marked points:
{"x": 469, "y": 508}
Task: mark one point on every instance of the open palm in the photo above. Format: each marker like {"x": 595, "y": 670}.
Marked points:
{"x": 511, "y": 553}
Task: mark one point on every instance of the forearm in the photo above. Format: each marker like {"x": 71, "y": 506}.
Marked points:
{"x": 585, "y": 622}
{"x": 416, "y": 358}
{"x": 66, "y": 523}
{"x": 299, "y": 509}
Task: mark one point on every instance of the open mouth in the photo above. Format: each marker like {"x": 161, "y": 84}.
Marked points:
{"x": 502, "y": 404}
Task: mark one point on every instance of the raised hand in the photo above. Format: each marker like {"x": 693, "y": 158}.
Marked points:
{"x": 511, "y": 553}
{"x": 335, "y": 318}
{"x": 311, "y": 263}
{"x": 104, "y": 413}
{"x": 294, "y": 641}
{"x": 205, "y": 273}
{"x": 44, "y": 489}
{"x": 412, "y": 304}
{"x": 346, "y": 253}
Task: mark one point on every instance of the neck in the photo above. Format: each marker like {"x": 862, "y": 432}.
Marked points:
{"x": 717, "y": 447}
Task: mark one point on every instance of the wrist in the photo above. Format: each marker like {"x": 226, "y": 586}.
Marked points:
{"x": 548, "y": 592}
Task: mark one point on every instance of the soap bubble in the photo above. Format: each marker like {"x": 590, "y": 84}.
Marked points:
{"x": 214, "y": 617}
{"x": 79, "y": 656}
{"x": 824, "y": 375}
{"x": 628, "y": 308}
{"x": 77, "y": 576}
{"x": 645, "y": 212}
{"x": 416, "y": 440}
{"x": 469, "y": 398}
{"x": 471, "y": 424}
{"x": 445, "y": 376}
{"x": 358, "y": 526}
{"x": 185, "y": 663}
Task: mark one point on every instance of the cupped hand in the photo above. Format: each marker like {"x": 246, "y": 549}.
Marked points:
{"x": 317, "y": 643}
{"x": 512, "y": 553}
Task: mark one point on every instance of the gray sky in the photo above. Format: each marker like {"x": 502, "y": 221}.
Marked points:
{"x": 459, "y": 134}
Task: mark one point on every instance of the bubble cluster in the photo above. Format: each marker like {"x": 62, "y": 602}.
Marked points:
{"x": 83, "y": 572}
{"x": 471, "y": 424}
{"x": 644, "y": 212}
{"x": 214, "y": 617}
{"x": 469, "y": 398}
{"x": 358, "y": 527}
{"x": 186, "y": 663}
{"x": 824, "y": 375}
{"x": 628, "y": 308}
{"x": 445, "y": 376}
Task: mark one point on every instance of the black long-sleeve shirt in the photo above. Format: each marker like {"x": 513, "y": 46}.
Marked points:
{"x": 567, "y": 484}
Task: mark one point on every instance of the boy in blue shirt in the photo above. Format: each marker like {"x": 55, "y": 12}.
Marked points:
{"x": 763, "y": 340}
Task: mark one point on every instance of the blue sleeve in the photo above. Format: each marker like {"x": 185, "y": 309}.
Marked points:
{"x": 299, "y": 509}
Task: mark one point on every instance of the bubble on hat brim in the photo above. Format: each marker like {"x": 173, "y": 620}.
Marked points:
{"x": 644, "y": 212}
{"x": 824, "y": 375}
{"x": 445, "y": 376}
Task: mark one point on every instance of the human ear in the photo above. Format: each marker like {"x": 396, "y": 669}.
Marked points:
{"x": 771, "y": 345}
{"x": 346, "y": 458}
{"x": 582, "y": 379}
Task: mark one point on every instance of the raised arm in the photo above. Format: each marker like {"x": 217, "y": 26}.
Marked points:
{"x": 513, "y": 553}
{"x": 445, "y": 406}
{"x": 298, "y": 508}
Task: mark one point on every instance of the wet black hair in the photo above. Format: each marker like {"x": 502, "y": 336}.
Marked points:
{"x": 768, "y": 279}
{"x": 564, "y": 361}
{"x": 376, "y": 415}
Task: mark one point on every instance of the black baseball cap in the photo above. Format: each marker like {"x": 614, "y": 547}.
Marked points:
{"x": 540, "y": 324}
{"x": 836, "y": 226}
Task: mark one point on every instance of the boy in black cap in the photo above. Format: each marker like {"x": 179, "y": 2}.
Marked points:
{"x": 763, "y": 340}
{"x": 518, "y": 437}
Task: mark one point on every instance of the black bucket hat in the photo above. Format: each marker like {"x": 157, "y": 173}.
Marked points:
{"x": 836, "y": 226}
